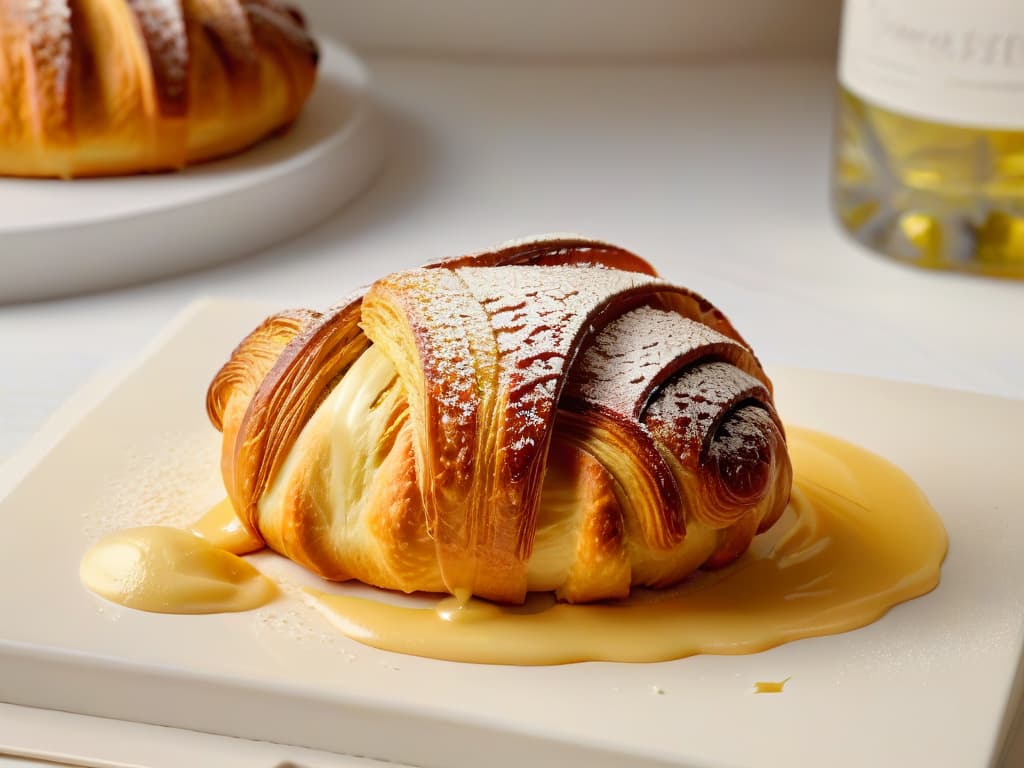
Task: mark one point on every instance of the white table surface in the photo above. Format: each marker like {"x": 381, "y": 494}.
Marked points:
{"x": 717, "y": 175}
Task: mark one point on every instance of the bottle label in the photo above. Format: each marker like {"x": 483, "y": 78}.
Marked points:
{"x": 951, "y": 61}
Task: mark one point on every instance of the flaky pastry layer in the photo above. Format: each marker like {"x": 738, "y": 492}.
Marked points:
{"x": 546, "y": 416}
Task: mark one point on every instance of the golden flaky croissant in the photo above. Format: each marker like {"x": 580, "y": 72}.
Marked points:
{"x": 547, "y": 416}
{"x": 107, "y": 87}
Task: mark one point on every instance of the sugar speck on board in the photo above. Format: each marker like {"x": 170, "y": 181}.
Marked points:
{"x": 174, "y": 480}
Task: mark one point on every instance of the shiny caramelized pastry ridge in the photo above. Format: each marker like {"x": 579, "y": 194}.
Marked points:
{"x": 546, "y": 416}
{"x": 110, "y": 87}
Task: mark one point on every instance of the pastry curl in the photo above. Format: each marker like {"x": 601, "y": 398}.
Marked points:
{"x": 547, "y": 416}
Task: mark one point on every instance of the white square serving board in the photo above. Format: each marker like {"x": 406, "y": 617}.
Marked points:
{"x": 932, "y": 683}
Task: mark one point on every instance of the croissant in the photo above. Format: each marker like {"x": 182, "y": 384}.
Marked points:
{"x": 107, "y": 87}
{"x": 548, "y": 416}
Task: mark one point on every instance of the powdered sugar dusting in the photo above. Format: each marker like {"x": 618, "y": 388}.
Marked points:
{"x": 451, "y": 334}
{"x": 537, "y": 314}
{"x": 294, "y": 618}
{"x": 743, "y": 433}
{"x": 173, "y": 482}
{"x": 227, "y": 26}
{"x": 163, "y": 29}
{"x": 686, "y": 411}
{"x": 48, "y": 23}
{"x": 282, "y": 19}
{"x": 633, "y": 352}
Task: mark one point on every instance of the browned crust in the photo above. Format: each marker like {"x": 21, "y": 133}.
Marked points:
{"x": 732, "y": 543}
{"x": 484, "y": 503}
{"x": 283, "y": 35}
{"x": 481, "y": 430}
{"x": 313, "y": 361}
{"x": 250, "y": 361}
{"x": 230, "y": 394}
{"x": 609, "y": 396}
{"x": 36, "y": 76}
{"x": 396, "y": 518}
{"x": 224, "y": 26}
{"x": 162, "y": 27}
{"x": 554, "y": 251}
{"x": 600, "y": 567}
{"x": 303, "y": 374}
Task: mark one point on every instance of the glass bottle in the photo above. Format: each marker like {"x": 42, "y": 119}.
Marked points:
{"x": 929, "y": 144}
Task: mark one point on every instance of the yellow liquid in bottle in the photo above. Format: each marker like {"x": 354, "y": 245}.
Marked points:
{"x": 859, "y": 538}
{"x": 931, "y": 194}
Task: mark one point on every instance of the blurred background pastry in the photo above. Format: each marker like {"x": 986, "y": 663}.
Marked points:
{"x": 116, "y": 87}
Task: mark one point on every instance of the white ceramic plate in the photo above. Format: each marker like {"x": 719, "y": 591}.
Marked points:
{"x": 59, "y": 237}
{"x": 929, "y": 684}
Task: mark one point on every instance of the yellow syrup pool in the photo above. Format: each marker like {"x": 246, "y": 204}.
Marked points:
{"x": 222, "y": 528}
{"x": 167, "y": 570}
{"x": 858, "y": 538}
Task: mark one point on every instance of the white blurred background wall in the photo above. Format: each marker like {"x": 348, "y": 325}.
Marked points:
{"x": 584, "y": 29}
